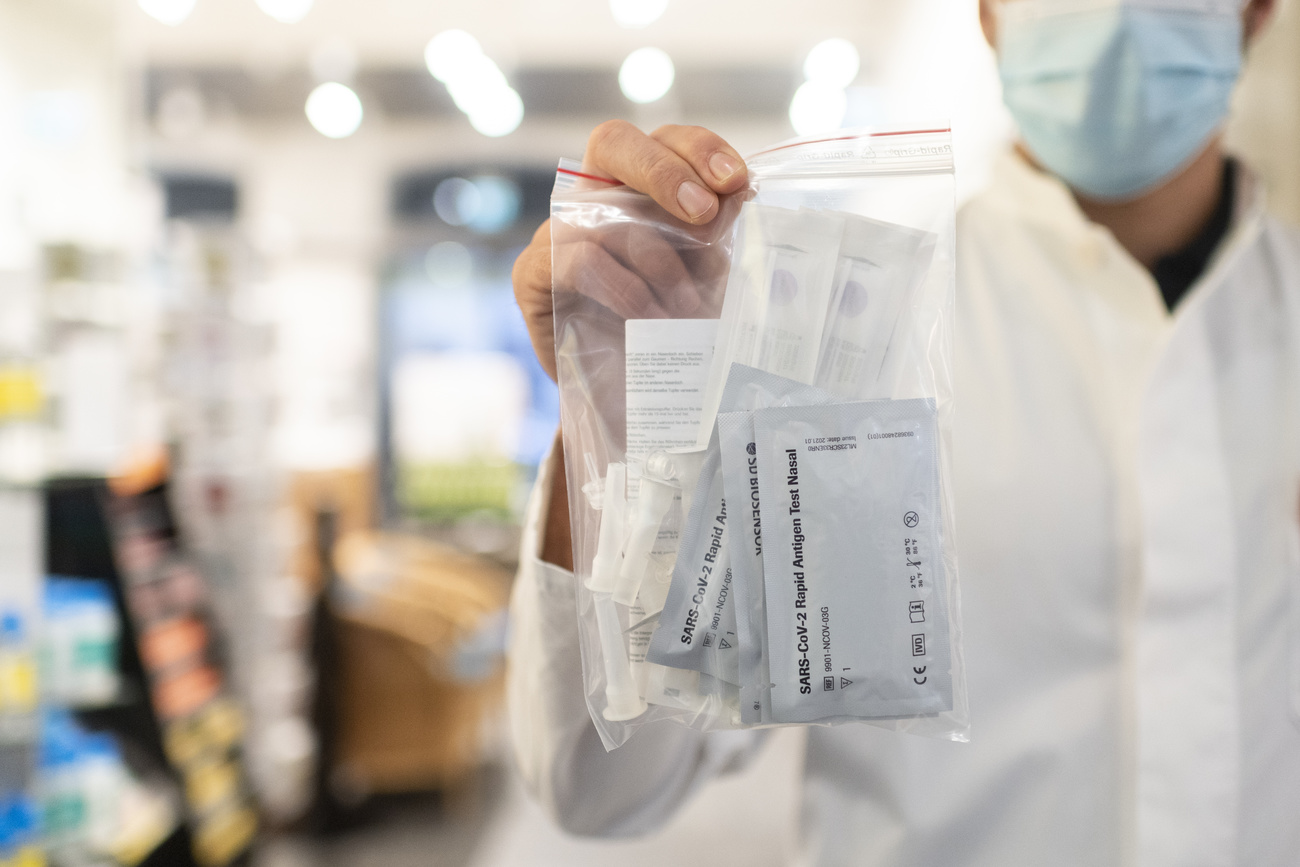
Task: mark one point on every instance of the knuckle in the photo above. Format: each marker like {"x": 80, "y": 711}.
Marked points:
{"x": 703, "y": 134}
{"x": 704, "y": 143}
{"x": 663, "y": 174}
{"x": 666, "y": 131}
{"x": 605, "y": 134}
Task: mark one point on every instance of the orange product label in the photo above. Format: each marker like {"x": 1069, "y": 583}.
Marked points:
{"x": 185, "y": 693}
{"x": 171, "y": 642}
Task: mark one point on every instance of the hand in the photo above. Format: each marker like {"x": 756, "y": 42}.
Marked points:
{"x": 652, "y": 258}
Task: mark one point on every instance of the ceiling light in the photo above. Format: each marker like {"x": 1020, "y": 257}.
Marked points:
{"x": 286, "y": 11}
{"x": 646, "y": 75}
{"x": 498, "y": 115}
{"x": 169, "y": 12}
{"x": 635, "y": 14}
{"x": 833, "y": 62}
{"x": 334, "y": 110}
{"x": 817, "y": 108}
{"x": 475, "y": 82}
{"x": 447, "y": 52}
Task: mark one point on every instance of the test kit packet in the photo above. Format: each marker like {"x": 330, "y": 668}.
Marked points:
{"x": 854, "y": 568}
{"x": 739, "y": 460}
{"x": 638, "y": 298}
{"x": 698, "y": 626}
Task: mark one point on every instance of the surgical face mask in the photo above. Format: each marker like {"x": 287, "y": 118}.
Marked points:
{"x": 1115, "y": 96}
{"x": 855, "y": 579}
{"x": 778, "y": 290}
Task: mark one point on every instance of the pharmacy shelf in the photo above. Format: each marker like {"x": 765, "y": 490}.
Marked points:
{"x": 18, "y": 731}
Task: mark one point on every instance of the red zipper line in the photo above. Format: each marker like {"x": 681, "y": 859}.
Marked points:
{"x": 799, "y": 144}
{"x": 590, "y": 177}
{"x": 773, "y": 150}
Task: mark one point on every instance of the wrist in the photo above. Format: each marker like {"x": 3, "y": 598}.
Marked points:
{"x": 557, "y": 538}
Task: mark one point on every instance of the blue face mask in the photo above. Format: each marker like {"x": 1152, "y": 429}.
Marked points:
{"x": 1114, "y": 99}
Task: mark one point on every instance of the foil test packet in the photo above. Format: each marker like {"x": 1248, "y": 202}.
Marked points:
{"x": 858, "y": 622}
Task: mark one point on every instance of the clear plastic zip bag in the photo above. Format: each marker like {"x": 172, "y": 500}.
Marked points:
{"x": 814, "y": 316}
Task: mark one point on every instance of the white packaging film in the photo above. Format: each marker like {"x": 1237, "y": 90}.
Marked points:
{"x": 778, "y": 290}
{"x": 880, "y": 265}
{"x": 814, "y": 311}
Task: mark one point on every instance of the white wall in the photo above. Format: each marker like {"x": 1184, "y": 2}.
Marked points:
{"x": 1266, "y": 127}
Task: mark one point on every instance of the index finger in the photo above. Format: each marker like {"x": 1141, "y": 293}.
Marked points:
{"x": 620, "y": 150}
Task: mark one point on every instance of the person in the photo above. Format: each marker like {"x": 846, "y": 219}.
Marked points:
{"x": 1125, "y": 463}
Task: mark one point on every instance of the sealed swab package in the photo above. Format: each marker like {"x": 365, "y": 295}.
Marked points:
{"x": 756, "y": 416}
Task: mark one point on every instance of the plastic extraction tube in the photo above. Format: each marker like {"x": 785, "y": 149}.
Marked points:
{"x": 622, "y": 700}
{"x": 609, "y": 542}
{"x": 655, "y": 498}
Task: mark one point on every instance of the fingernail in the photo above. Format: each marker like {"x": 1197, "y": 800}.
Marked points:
{"x": 694, "y": 199}
{"x": 723, "y": 166}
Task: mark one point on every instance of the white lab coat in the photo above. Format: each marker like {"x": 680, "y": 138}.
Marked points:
{"x": 1126, "y": 500}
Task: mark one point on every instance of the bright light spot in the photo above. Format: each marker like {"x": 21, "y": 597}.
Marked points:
{"x": 334, "y": 109}
{"x": 634, "y": 14}
{"x": 817, "y": 108}
{"x": 169, "y": 12}
{"x": 833, "y": 63}
{"x": 646, "y": 75}
{"x": 449, "y": 264}
{"x": 498, "y": 115}
{"x": 476, "y": 83}
{"x": 456, "y": 201}
{"x": 486, "y": 204}
{"x": 447, "y": 52}
{"x": 498, "y": 204}
{"x": 286, "y": 11}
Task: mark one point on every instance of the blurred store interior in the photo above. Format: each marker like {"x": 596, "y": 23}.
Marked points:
{"x": 269, "y": 417}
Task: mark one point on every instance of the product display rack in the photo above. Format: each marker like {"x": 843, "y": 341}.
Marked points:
{"x": 82, "y": 541}
{"x": 20, "y": 581}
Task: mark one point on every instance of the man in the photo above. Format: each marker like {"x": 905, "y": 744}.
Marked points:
{"x": 1125, "y": 462}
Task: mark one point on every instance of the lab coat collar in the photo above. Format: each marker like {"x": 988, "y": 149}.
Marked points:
{"x": 1039, "y": 198}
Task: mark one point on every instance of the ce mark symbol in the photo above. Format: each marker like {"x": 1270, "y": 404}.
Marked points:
{"x": 920, "y": 679}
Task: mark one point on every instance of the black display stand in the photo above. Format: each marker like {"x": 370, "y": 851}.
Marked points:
{"x": 82, "y": 541}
